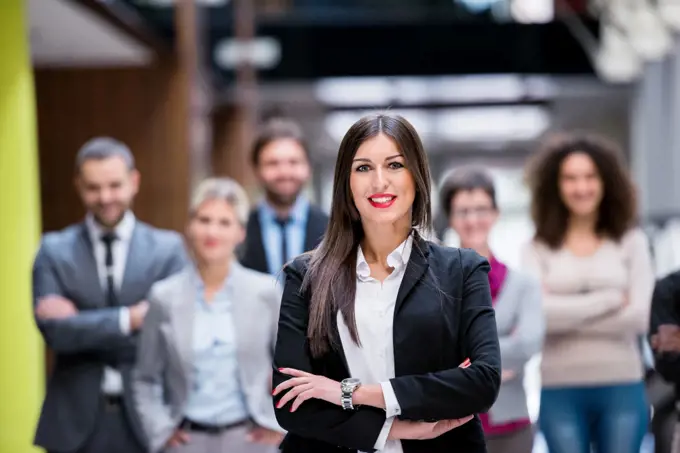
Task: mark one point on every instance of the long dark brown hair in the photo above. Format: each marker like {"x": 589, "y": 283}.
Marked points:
{"x": 331, "y": 275}
{"x": 618, "y": 209}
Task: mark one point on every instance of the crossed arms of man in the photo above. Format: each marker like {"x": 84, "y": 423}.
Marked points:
{"x": 66, "y": 327}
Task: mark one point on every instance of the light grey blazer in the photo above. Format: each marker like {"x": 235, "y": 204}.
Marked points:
{"x": 164, "y": 362}
{"x": 521, "y": 329}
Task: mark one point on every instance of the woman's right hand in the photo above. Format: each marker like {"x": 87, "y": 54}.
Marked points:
{"x": 406, "y": 429}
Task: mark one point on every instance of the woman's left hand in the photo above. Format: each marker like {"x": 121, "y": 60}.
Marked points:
{"x": 304, "y": 386}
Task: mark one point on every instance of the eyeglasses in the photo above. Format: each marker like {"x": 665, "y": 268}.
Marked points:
{"x": 478, "y": 211}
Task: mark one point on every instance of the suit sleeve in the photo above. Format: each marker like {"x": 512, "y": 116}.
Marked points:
{"x": 87, "y": 331}
{"x": 147, "y": 382}
{"x": 178, "y": 257}
{"x": 664, "y": 311}
{"x": 315, "y": 419}
{"x": 459, "y": 392}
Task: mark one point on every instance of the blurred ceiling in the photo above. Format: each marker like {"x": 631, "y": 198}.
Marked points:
{"x": 66, "y": 33}
{"x": 308, "y": 39}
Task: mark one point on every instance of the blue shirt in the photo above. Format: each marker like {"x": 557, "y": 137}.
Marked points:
{"x": 271, "y": 233}
{"x": 215, "y": 396}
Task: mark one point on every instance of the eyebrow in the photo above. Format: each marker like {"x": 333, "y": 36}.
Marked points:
{"x": 363, "y": 159}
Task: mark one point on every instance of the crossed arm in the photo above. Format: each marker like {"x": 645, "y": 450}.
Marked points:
{"x": 447, "y": 397}
{"x": 71, "y": 331}
{"x": 608, "y": 312}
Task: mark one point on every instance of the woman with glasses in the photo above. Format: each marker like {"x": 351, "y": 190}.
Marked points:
{"x": 468, "y": 197}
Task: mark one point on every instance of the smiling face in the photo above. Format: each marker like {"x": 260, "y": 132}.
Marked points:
{"x": 580, "y": 185}
{"x": 382, "y": 187}
{"x": 107, "y": 187}
{"x": 283, "y": 170}
{"x": 214, "y": 231}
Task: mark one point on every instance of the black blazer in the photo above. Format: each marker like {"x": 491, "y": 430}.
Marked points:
{"x": 252, "y": 253}
{"x": 666, "y": 310}
{"x": 443, "y": 314}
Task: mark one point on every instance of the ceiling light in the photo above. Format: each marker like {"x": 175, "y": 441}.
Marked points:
{"x": 532, "y": 11}
{"x": 481, "y": 124}
{"x": 648, "y": 34}
{"x": 262, "y": 53}
{"x": 669, "y": 11}
{"x": 615, "y": 61}
{"x": 354, "y": 91}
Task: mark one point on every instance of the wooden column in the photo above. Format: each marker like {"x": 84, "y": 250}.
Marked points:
{"x": 235, "y": 124}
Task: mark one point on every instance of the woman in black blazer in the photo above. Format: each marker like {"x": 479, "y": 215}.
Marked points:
{"x": 386, "y": 342}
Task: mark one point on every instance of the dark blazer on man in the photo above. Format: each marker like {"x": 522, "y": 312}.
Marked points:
{"x": 666, "y": 310}
{"x": 65, "y": 266}
{"x": 253, "y": 255}
{"x": 443, "y": 315}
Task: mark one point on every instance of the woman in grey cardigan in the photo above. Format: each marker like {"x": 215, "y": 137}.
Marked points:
{"x": 203, "y": 377}
{"x": 468, "y": 197}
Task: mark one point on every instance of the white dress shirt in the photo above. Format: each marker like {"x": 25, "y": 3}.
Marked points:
{"x": 112, "y": 383}
{"x": 373, "y": 361}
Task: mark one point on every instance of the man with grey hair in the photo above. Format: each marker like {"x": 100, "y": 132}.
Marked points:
{"x": 90, "y": 281}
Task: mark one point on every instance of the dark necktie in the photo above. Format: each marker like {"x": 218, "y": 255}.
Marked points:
{"x": 108, "y": 239}
{"x": 282, "y": 222}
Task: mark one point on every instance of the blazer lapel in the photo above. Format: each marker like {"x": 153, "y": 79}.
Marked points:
{"x": 416, "y": 268}
{"x": 182, "y": 320}
{"x": 255, "y": 256}
{"x": 314, "y": 230}
{"x": 137, "y": 262}
{"x": 87, "y": 268}
{"x": 240, "y": 312}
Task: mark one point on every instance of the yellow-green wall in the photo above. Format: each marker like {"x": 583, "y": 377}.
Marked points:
{"x": 21, "y": 351}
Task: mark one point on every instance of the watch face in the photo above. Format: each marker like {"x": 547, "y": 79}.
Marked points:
{"x": 350, "y": 382}
{"x": 348, "y": 385}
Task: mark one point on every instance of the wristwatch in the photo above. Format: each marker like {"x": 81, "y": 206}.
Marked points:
{"x": 348, "y": 386}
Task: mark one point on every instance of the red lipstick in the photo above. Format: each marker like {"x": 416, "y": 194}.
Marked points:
{"x": 382, "y": 200}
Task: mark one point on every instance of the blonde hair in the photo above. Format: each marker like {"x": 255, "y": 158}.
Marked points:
{"x": 225, "y": 189}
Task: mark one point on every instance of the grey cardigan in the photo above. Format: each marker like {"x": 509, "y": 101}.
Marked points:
{"x": 521, "y": 329}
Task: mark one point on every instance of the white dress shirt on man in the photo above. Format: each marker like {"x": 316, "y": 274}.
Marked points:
{"x": 112, "y": 383}
{"x": 373, "y": 362}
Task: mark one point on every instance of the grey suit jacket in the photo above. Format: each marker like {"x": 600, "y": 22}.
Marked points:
{"x": 85, "y": 343}
{"x": 164, "y": 360}
{"x": 521, "y": 329}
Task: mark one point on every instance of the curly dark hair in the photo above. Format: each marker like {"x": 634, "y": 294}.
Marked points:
{"x": 618, "y": 208}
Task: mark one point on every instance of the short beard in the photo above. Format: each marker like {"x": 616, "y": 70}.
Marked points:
{"x": 280, "y": 201}
{"x": 113, "y": 225}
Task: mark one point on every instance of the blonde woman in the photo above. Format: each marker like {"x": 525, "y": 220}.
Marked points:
{"x": 204, "y": 364}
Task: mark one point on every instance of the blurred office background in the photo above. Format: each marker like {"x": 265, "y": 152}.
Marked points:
{"x": 184, "y": 83}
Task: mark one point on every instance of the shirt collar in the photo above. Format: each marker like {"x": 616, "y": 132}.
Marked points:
{"x": 298, "y": 212}
{"x": 398, "y": 259}
{"x": 123, "y": 230}
{"x": 228, "y": 283}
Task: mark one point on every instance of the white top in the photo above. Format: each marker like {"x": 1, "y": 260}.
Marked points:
{"x": 112, "y": 383}
{"x": 373, "y": 361}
